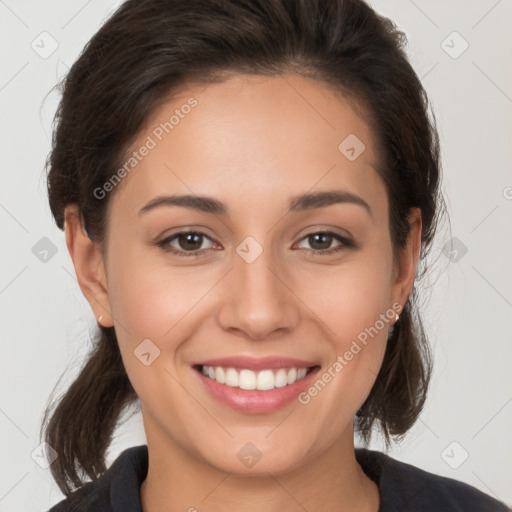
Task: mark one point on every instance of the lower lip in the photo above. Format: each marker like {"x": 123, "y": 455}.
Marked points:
{"x": 256, "y": 401}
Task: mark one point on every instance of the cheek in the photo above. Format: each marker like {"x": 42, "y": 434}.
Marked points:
{"x": 350, "y": 297}
{"x": 356, "y": 310}
{"x": 352, "y": 303}
{"x": 155, "y": 302}
{"x": 150, "y": 297}
{"x": 152, "y": 307}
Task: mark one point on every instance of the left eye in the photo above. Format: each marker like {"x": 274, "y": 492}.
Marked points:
{"x": 324, "y": 240}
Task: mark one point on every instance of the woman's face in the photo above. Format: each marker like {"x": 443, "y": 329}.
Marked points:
{"x": 302, "y": 283}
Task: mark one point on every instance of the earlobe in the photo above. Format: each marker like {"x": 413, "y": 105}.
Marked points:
{"x": 89, "y": 266}
{"x": 409, "y": 257}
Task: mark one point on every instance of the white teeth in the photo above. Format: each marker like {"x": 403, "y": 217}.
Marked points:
{"x": 220, "y": 376}
{"x": 247, "y": 379}
{"x": 281, "y": 378}
{"x": 265, "y": 380}
{"x": 292, "y": 375}
{"x": 231, "y": 378}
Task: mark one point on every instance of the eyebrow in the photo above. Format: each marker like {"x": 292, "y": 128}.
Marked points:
{"x": 298, "y": 203}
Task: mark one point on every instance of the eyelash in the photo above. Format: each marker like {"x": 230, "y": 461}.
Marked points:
{"x": 164, "y": 244}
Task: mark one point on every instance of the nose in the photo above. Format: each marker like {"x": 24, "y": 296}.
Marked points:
{"x": 257, "y": 300}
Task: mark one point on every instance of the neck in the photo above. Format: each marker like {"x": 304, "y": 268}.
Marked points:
{"x": 332, "y": 481}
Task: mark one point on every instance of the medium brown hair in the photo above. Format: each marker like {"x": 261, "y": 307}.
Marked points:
{"x": 143, "y": 53}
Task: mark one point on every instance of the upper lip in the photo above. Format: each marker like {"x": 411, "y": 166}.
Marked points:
{"x": 263, "y": 363}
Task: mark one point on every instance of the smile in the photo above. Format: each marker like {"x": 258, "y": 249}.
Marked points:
{"x": 255, "y": 386}
{"x": 263, "y": 380}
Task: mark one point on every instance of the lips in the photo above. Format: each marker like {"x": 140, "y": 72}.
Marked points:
{"x": 247, "y": 399}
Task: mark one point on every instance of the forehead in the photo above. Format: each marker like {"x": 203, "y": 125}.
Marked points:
{"x": 251, "y": 139}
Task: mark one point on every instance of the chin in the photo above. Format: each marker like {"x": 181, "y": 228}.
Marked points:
{"x": 252, "y": 459}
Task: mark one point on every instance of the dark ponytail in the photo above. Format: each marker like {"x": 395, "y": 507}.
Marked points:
{"x": 82, "y": 425}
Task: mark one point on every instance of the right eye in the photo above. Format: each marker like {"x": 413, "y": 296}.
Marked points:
{"x": 187, "y": 242}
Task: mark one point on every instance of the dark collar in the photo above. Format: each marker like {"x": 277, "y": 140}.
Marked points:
{"x": 402, "y": 487}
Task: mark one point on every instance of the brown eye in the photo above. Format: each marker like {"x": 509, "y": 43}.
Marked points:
{"x": 321, "y": 243}
{"x": 189, "y": 241}
{"x": 185, "y": 243}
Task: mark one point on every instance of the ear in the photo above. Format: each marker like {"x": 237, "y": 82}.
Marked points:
{"x": 405, "y": 272}
{"x": 89, "y": 266}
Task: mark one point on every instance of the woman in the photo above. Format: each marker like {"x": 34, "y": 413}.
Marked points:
{"x": 247, "y": 190}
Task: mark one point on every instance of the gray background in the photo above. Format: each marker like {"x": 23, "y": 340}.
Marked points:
{"x": 46, "y": 322}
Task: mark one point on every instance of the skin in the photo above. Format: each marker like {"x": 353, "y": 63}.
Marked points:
{"x": 252, "y": 143}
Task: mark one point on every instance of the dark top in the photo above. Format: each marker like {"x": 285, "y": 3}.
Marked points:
{"x": 402, "y": 487}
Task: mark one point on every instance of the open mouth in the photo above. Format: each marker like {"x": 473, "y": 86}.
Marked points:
{"x": 262, "y": 380}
